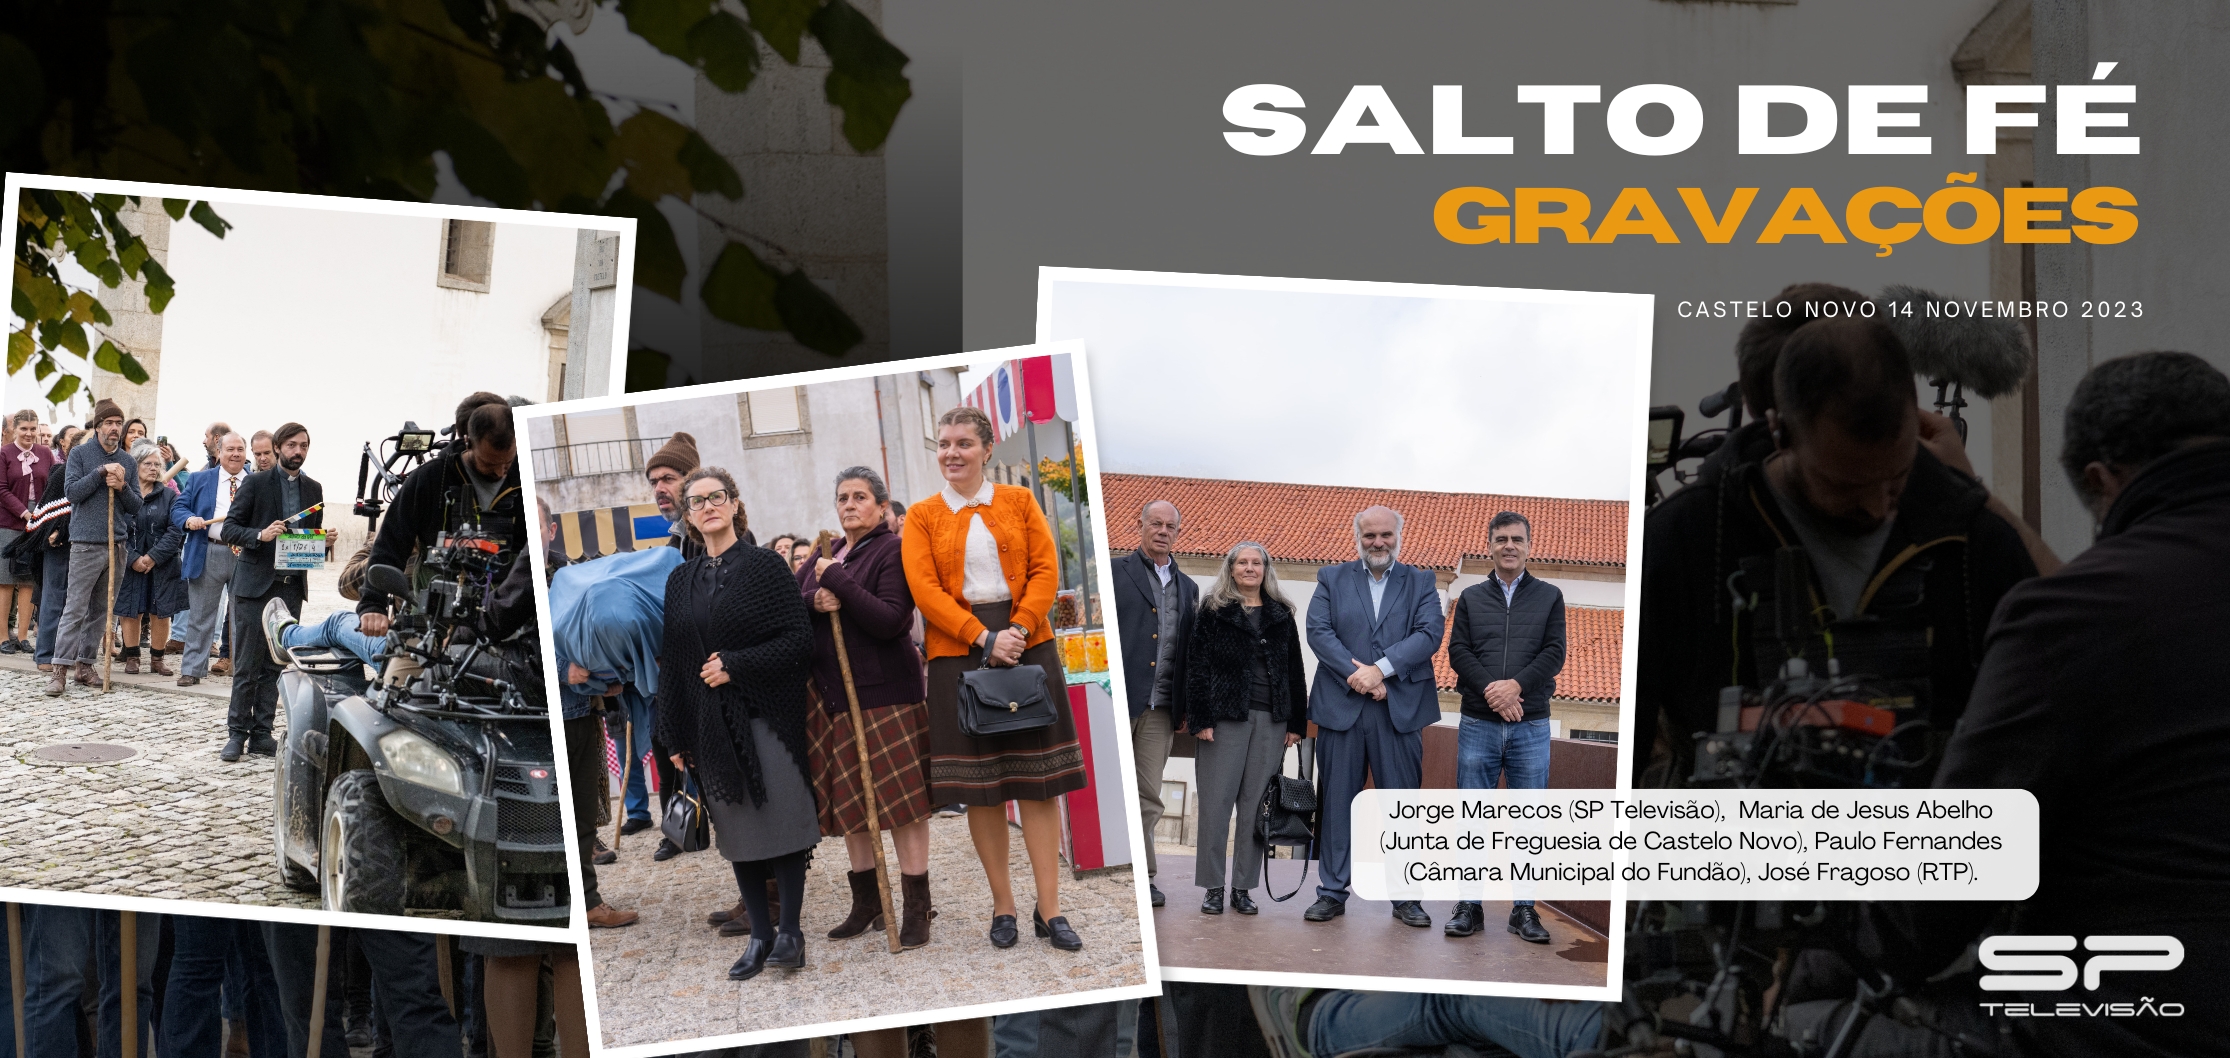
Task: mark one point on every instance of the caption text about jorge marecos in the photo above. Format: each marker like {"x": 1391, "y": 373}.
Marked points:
{"x": 1695, "y": 844}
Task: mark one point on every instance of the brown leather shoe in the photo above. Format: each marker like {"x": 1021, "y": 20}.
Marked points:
{"x": 156, "y": 666}
{"x": 131, "y": 662}
{"x": 57, "y": 681}
{"x": 86, "y": 676}
{"x": 188, "y": 681}
{"x": 221, "y": 667}
{"x": 722, "y": 918}
{"x": 913, "y": 919}
{"x": 605, "y": 916}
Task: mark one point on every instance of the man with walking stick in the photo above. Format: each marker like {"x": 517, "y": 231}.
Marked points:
{"x": 98, "y": 478}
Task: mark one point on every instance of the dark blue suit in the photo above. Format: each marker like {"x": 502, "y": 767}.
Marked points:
{"x": 1360, "y": 739}
{"x": 197, "y": 498}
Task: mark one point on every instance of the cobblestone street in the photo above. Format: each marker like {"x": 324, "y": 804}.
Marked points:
{"x": 665, "y": 978}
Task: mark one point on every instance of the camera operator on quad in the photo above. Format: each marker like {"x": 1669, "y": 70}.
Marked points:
{"x": 471, "y": 485}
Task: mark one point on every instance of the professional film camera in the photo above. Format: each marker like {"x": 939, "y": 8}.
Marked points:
{"x": 430, "y": 784}
{"x": 384, "y": 464}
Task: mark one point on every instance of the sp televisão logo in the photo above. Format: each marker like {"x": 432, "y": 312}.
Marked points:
{"x": 2057, "y": 973}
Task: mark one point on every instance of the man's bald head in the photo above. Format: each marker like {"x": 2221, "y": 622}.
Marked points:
{"x": 1158, "y": 525}
{"x": 1378, "y": 537}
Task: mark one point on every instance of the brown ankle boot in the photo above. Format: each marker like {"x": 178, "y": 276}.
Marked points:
{"x": 155, "y": 664}
{"x": 131, "y": 662}
{"x": 867, "y": 906}
{"x": 58, "y": 682}
{"x": 913, "y": 928}
{"x": 87, "y": 675}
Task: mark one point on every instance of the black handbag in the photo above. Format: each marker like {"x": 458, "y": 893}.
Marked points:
{"x": 1287, "y": 816}
{"x": 1002, "y": 701}
{"x": 687, "y": 824}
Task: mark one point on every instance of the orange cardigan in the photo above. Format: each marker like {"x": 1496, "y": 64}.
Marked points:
{"x": 935, "y": 545}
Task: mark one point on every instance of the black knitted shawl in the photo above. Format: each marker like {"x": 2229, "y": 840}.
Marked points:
{"x": 760, "y": 628}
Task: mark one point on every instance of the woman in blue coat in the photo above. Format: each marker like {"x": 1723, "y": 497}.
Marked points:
{"x": 150, "y": 588}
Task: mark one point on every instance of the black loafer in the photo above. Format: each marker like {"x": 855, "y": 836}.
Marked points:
{"x": 666, "y": 850}
{"x": 1527, "y": 925}
{"x": 1411, "y": 913}
{"x": 754, "y": 960}
{"x": 1242, "y": 903}
{"x": 1004, "y": 931}
{"x": 1325, "y": 909}
{"x": 1213, "y": 905}
{"x": 1057, "y": 931}
{"x": 1154, "y": 892}
{"x": 635, "y": 826}
{"x": 789, "y": 951}
{"x": 1465, "y": 920}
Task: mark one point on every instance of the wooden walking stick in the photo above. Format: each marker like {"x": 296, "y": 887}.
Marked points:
{"x": 827, "y": 546}
{"x": 108, "y": 631}
{"x": 318, "y": 983}
{"x": 619, "y": 823}
{"x": 15, "y": 976}
{"x": 127, "y": 965}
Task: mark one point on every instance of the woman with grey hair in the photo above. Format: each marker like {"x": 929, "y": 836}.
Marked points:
{"x": 1247, "y": 702}
{"x": 150, "y": 589}
{"x": 861, "y": 580}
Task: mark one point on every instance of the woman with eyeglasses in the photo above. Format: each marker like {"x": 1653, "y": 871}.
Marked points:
{"x": 983, "y": 568}
{"x": 732, "y": 705}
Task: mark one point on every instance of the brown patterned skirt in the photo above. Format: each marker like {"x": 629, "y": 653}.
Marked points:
{"x": 1024, "y": 766}
{"x": 897, "y": 745}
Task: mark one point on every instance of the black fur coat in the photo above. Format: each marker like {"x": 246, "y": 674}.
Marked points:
{"x": 1216, "y": 660}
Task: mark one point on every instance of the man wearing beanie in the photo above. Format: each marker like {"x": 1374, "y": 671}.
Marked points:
{"x": 96, "y": 476}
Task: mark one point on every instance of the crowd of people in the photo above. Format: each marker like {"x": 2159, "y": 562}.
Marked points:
{"x": 743, "y": 669}
{"x": 1227, "y": 666}
{"x": 211, "y": 987}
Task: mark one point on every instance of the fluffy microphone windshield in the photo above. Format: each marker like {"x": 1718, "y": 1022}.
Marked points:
{"x": 1989, "y": 356}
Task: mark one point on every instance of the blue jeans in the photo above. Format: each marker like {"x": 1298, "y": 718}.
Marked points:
{"x": 54, "y": 588}
{"x": 1529, "y": 1028}
{"x": 202, "y": 952}
{"x": 337, "y": 631}
{"x": 1488, "y": 751}
{"x": 61, "y": 963}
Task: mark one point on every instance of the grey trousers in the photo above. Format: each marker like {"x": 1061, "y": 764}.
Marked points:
{"x": 85, "y": 615}
{"x": 1232, "y": 771}
{"x": 205, "y": 599}
{"x": 1150, "y": 735}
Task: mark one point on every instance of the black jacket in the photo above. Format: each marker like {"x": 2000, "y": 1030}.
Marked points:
{"x": 1953, "y": 558}
{"x": 1218, "y": 654}
{"x": 1489, "y": 641}
{"x": 759, "y": 627}
{"x": 261, "y": 501}
{"x": 1138, "y": 626}
{"x": 2105, "y": 692}
{"x": 438, "y": 498}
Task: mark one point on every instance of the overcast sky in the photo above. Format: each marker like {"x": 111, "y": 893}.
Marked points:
{"x": 1433, "y": 393}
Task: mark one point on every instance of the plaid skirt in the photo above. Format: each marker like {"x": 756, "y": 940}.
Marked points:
{"x": 897, "y": 745}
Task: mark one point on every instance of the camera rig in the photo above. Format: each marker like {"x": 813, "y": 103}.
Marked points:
{"x": 384, "y": 464}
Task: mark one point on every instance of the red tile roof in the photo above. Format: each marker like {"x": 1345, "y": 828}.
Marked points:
{"x": 1315, "y": 523}
{"x": 1592, "y": 635}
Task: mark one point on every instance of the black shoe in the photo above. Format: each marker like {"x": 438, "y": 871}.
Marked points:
{"x": 263, "y": 746}
{"x": 232, "y": 749}
{"x": 1242, "y": 903}
{"x": 1213, "y": 905}
{"x": 1325, "y": 909}
{"x": 1004, "y": 931}
{"x": 1056, "y": 930}
{"x": 634, "y": 826}
{"x": 11, "y": 646}
{"x": 789, "y": 951}
{"x": 666, "y": 850}
{"x": 1465, "y": 920}
{"x": 754, "y": 960}
{"x": 1527, "y": 925}
{"x": 1154, "y": 892}
{"x": 603, "y": 855}
{"x": 1411, "y": 913}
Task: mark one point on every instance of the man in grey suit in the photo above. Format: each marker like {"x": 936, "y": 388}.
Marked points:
{"x": 1374, "y": 625}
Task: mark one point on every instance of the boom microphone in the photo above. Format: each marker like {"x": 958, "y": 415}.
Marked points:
{"x": 1988, "y": 357}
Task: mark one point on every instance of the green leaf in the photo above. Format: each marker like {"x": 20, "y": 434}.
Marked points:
{"x": 19, "y": 302}
{"x": 132, "y": 255}
{"x": 22, "y": 89}
{"x": 740, "y": 290}
{"x": 781, "y": 23}
{"x": 112, "y": 359}
{"x": 20, "y": 348}
{"x": 63, "y": 390}
{"x": 725, "y": 51}
{"x": 42, "y": 297}
{"x": 708, "y": 171}
{"x": 865, "y": 77}
{"x": 84, "y": 309}
{"x": 208, "y": 218}
{"x": 176, "y": 207}
{"x": 63, "y": 334}
{"x": 160, "y": 287}
{"x": 814, "y": 318}
{"x": 90, "y": 253}
{"x": 111, "y": 275}
{"x": 659, "y": 266}
{"x": 482, "y": 163}
{"x": 665, "y": 24}
{"x": 647, "y": 369}
{"x": 650, "y": 145}
{"x": 46, "y": 366}
{"x": 107, "y": 201}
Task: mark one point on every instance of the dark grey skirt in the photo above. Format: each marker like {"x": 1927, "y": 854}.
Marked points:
{"x": 787, "y": 823}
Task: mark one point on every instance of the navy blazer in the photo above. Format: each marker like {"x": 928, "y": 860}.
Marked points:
{"x": 1138, "y": 629}
{"x": 1406, "y": 633}
{"x": 197, "y": 498}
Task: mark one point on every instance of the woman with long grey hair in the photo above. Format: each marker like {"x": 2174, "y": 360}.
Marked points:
{"x": 1246, "y": 701}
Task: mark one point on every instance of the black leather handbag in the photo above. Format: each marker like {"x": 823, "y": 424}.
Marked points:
{"x": 1002, "y": 701}
{"x": 1287, "y": 816}
{"x": 687, "y": 824}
